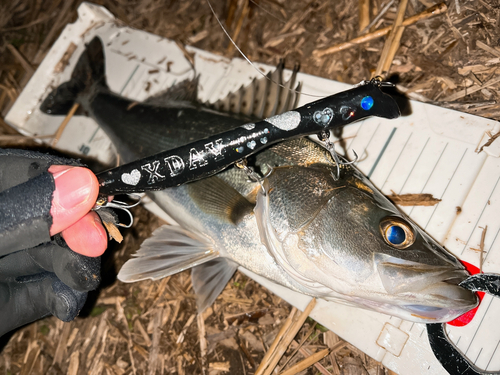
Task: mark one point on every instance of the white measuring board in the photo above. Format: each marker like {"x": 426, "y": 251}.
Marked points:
{"x": 433, "y": 151}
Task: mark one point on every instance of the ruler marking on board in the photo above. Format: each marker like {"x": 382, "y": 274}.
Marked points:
{"x": 396, "y": 161}
{"x": 381, "y": 152}
{"x": 430, "y": 175}
{"x": 491, "y": 247}
{"x": 492, "y": 355}
{"x": 479, "y": 218}
{"x": 370, "y": 141}
{"x": 446, "y": 188}
{"x": 414, "y": 165}
{"x": 479, "y": 325}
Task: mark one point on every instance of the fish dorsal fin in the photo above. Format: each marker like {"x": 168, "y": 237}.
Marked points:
{"x": 263, "y": 98}
{"x": 184, "y": 91}
{"x": 303, "y": 152}
{"x": 210, "y": 279}
{"x": 290, "y": 93}
{"x": 168, "y": 251}
{"x": 216, "y": 197}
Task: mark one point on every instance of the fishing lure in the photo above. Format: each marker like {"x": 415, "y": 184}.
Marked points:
{"x": 206, "y": 157}
{"x": 452, "y": 359}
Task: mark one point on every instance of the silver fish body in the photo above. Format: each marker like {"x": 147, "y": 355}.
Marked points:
{"x": 321, "y": 237}
{"x": 339, "y": 240}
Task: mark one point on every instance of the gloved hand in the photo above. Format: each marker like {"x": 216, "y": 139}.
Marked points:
{"x": 44, "y": 216}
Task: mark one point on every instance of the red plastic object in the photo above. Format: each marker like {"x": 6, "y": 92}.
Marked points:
{"x": 466, "y": 318}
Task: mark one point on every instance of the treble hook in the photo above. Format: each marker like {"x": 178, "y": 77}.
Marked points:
{"x": 252, "y": 175}
{"x": 377, "y": 81}
{"x": 324, "y": 136}
{"x": 119, "y": 205}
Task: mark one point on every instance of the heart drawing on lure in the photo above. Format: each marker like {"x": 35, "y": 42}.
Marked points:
{"x": 131, "y": 178}
{"x": 251, "y": 145}
{"x": 323, "y": 117}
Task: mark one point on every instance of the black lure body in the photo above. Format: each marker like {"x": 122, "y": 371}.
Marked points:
{"x": 201, "y": 156}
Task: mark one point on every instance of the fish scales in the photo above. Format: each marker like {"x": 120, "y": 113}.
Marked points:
{"x": 146, "y": 124}
{"x": 336, "y": 239}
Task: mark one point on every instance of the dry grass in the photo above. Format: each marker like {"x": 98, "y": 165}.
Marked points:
{"x": 151, "y": 327}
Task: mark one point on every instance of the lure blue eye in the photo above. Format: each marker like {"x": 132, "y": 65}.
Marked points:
{"x": 367, "y": 103}
{"x": 395, "y": 235}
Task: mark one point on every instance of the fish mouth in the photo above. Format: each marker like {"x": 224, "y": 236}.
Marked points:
{"x": 425, "y": 291}
{"x": 444, "y": 303}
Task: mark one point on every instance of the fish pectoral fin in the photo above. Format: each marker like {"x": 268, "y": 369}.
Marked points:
{"x": 210, "y": 279}
{"x": 216, "y": 197}
{"x": 168, "y": 251}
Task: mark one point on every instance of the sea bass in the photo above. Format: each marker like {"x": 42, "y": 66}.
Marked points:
{"x": 339, "y": 239}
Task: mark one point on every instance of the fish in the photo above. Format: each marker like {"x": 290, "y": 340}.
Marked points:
{"x": 340, "y": 240}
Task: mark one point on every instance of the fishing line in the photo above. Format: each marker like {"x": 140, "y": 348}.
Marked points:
{"x": 378, "y": 17}
{"x": 328, "y": 144}
{"x": 250, "y": 62}
{"x": 282, "y": 20}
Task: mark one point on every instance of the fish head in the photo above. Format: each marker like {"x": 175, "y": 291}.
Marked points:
{"x": 345, "y": 240}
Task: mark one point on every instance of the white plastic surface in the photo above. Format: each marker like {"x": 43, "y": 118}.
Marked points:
{"x": 430, "y": 151}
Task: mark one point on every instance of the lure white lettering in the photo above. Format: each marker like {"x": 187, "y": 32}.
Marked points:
{"x": 175, "y": 165}
{"x": 215, "y": 150}
{"x": 154, "y": 176}
{"x": 196, "y": 159}
{"x": 199, "y": 158}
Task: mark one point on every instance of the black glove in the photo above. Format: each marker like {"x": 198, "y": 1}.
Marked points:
{"x": 39, "y": 275}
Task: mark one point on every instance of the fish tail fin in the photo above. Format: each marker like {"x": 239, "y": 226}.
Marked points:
{"x": 171, "y": 250}
{"x": 89, "y": 72}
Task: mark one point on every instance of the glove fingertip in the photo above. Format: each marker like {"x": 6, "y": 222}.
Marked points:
{"x": 77, "y": 271}
{"x": 66, "y": 303}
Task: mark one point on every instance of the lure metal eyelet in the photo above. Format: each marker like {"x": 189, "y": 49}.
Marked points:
{"x": 397, "y": 232}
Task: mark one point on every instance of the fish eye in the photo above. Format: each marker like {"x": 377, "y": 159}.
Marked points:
{"x": 397, "y": 232}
